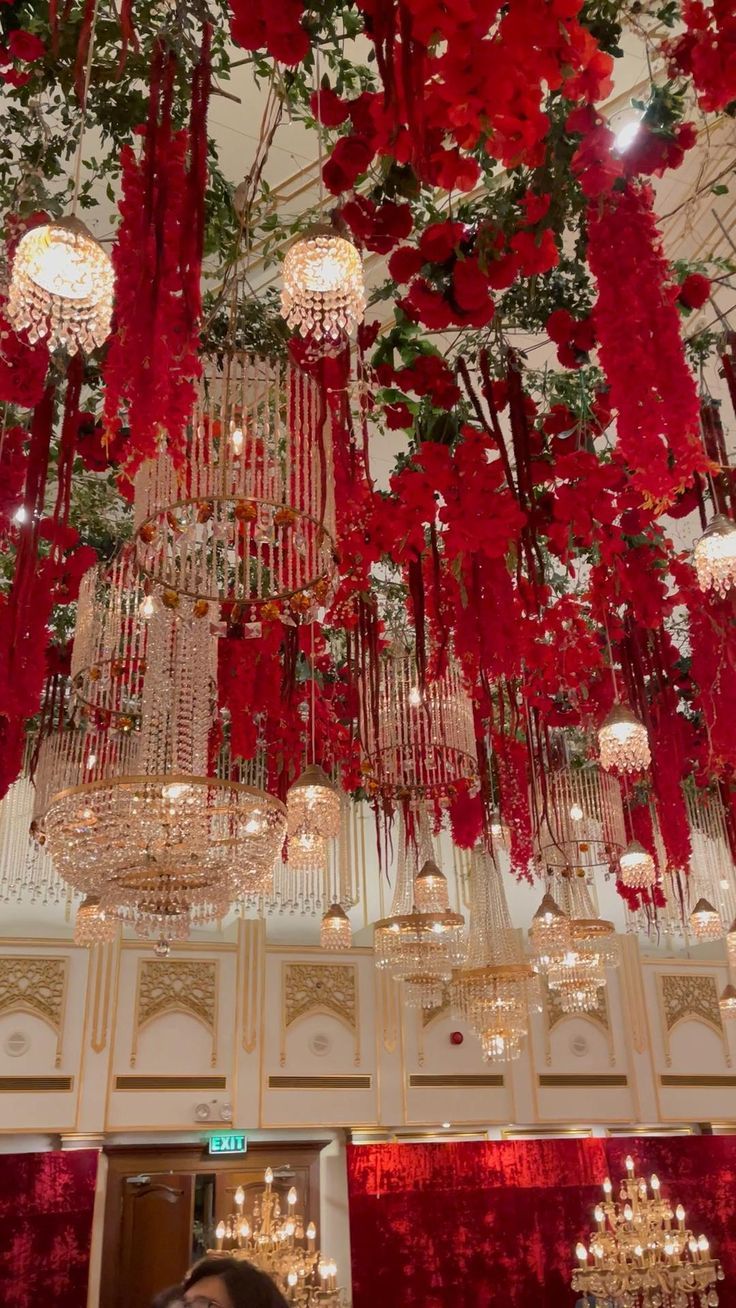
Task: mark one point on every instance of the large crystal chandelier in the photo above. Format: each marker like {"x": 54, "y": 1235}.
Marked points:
{"x": 313, "y": 816}
{"x": 550, "y": 934}
{"x": 272, "y": 1236}
{"x": 642, "y": 1254}
{"x": 580, "y": 972}
{"x": 623, "y": 742}
{"x": 418, "y": 948}
{"x": 419, "y": 745}
{"x": 323, "y": 295}
{"x": 583, "y": 827}
{"x": 249, "y": 519}
{"x": 494, "y": 990}
{"x": 61, "y": 286}
{"x": 715, "y": 556}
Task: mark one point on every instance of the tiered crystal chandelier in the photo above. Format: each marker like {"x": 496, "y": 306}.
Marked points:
{"x": 583, "y": 828}
{"x": 335, "y": 929}
{"x": 92, "y": 925}
{"x": 642, "y": 1254}
{"x": 418, "y": 948}
{"x": 705, "y": 921}
{"x": 276, "y": 1241}
{"x": 495, "y": 988}
{"x": 715, "y": 556}
{"x": 419, "y": 745}
{"x": 313, "y": 816}
{"x": 108, "y": 661}
{"x": 323, "y": 295}
{"x": 61, "y": 286}
{"x": 310, "y": 893}
{"x": 249, "y": 520}
{"x": 623, "y": 742}
{"x": 638, "y": 869}
{"x": 578, "y": 973}
{"x": 550, "y": 934}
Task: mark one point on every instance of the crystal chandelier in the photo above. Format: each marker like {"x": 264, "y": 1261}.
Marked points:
{"x": 731, "y": 945}
{"x": 61, "y": 286}
{"x": 313, "y": 817}
{"x": 727, "y": 1002}
{"x": 92, "y": 925}
{"x": 431, "y": 893}
{"x": 550, "y": 934}
{"x": 642, "y": 1254}
{"x": 623, "y": 742}
{"x": 638, "y": 869}
{"x": 249, "y": 519}
{"x": 495, "y": 988}
{"x": 583, "y": 826}
{"x": 705, "y": 921}
{"x": 323, "y": 295}
{"x": 579, "y": 973}
{"x": 108, "y": 660}
{"x": 715, "y": 556}
{"x": 276, "y": 1241}
{"x": 311, "y": 891}
{"x": 335, "y": 929}
{"x": 419, "y": 746}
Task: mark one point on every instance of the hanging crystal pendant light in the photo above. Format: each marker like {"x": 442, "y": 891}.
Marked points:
{"x": 705, "y": 921}
{"x": 61, "y": 286}
{"x": 727, "y": 1002}
{"x": 313, "y": 805}
{"x": 623, "y": 742}
{"x": 323, "y": 295}
{"x": 580, "y": 972}
{"x": 549, "y": 934}
{"x": 430, "y": 889}
{"x": 715, "y": 556}
{"x": 335, "y": 929}
{"x": 638, "y": 870}
{"x": 93, "y": 925}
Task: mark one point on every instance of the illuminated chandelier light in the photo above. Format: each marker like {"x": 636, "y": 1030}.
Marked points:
{"x": 550, "y": 934}
{"x": 273, "y": 1236}
{"x": 705, "y": 921}
{"x": 335, "y": 929}
{"x": 638, "y": 869}
{"x": 323, "y": 295}
{"x": 108, "y": 660}
{"x": 420, "y": 746}
{"x": 249, "y": 519}
{"x": 166, "y": 906}
{"x": 711, "y": 864}
{"x": 623, "y": 742}
{"x": 93, "y": 925}
{"x": 495, "y": 988}
{"x": 26, "y": 871}
{"x": 642, "y": 1254}
{"x": 310, "y": 891}
{"x": 731, "y": 945}
{"x": 715, "y": 556}
{"x": 313, "y": 817}
{"x": 61, "y": 286}
{"x": 584, "y": 826}
{"x": 431, "y": 892}
{"x": 727, "y": 1002}
{"x": 580, "y": 972}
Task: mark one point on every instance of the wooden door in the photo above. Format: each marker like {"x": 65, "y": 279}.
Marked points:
{"x": 155, "y": 1237}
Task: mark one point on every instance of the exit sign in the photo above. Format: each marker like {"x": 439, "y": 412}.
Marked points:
{"x": 233, "y": 1143}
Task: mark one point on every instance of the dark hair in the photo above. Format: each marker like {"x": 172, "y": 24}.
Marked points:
{"x": 246, "y": 1286}
{"x": 167, "y": 1297}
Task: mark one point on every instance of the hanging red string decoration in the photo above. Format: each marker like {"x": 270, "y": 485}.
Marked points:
{"x": 639, "y": 337}
{"x": 152, "y": 363}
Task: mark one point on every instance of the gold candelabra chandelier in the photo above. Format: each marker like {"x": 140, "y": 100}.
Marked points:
{"x": 642, "y": 1253}
{"x": 275, "y": 1240}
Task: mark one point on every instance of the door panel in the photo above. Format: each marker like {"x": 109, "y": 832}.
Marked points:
{"x": 156, "y": 1236}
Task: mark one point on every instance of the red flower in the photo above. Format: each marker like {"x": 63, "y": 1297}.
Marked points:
{"x": 537, "y": 253}
{"x": 25, "y": 46}
{"x": 694, "y": 291}
{"x": 560, "y": 326}
{"x": 439, "y": 241}
{"x": 328, "y": 108}
{"x": 351, "y": 157}
{"x": 405, "y": 263}
{"x": 469, "y": 285}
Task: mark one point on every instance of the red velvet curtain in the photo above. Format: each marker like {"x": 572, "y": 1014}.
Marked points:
{"x": 46, "y": 1203}
{"x": 450, "y": 1225}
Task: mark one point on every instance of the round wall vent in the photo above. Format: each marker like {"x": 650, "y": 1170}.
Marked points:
{"x": 320, "y": 1044}
{"x": 17, "y": 1043}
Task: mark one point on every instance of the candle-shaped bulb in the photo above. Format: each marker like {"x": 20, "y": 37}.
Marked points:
{"x": 596, "y": 1250}
{"x": 638, "y": 1251}
{"x": 291, "y": 1197}
{"x": 292, "y": 1278}
{"x": 269, "y": 1176}
{"x": 236, "y": 438}
{"x": 607, "y": 1186}
{"x": 654, "y": 1182}
{"x": 311, "y": 1231}
{"x": 703, "y": 1245}
{"x": 245, "y": 1230}
{"x": 680, "y": 1214}
{"x": 147, "y": 607}
{"x": 629, "y": 1165}
{"x": 581, "y": 1253}
{"x": 628, "y": 1213}
{"x": 599, "y": 1214}
{"x": 290, "y": 1227}
{"x": 220, "y": 1230}
{"x": 240, "y": 1196}
{"x": 669, "y": 1248}
{"x": 324, "y": 1271}
{"x": 692, "y": 1245}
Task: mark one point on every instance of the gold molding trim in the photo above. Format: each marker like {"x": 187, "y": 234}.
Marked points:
{"x": 545, "y": 1132}
{"x": 582, "y": 1080}
{"x": 327, "y": 988}
{"x": 688, "y": 998}
{"x": 455, "y": 1080}
{"x": 361, "y": 1081}
{"x": 387, "y": 995}
{"x": 631, "y": 989}
{"x": 102, "y": 963}
{"x": 253, "y": 959}
{"x": 37, "y": 986}
{"x": 650, "y": 1130}
{"x": 154, "y": 1082}
{"x": 173, "y": 985}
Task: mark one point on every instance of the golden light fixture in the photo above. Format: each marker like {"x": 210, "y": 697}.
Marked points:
{"x": 638, "y": 870}
{"x": 580, "y": 972}
{"x": 705, "y": 921}
{"x": 642, "y": 1254}
{"x": 623, "y": 742}
{"x": 581, "y": 822}
{"x": 61, "y": 286}
{"x": 313, "y": 806}
{"x": 420, "y": 950}
{"x": 93, "y": 925}
{"x": 323, "y": 294}
{"x": 549, "y": 934}
{"x": 335, "y": 929}
{"x": 715, "y": 556}
{"x": 727, "y": 1002}
{"x": 431, "y": 894}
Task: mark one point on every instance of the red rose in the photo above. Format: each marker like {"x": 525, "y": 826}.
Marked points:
{"x": 537, "y": 253}
{"x": 351, "y": 156}
{"x": 425, "y": 304}
{"x": 439, "y": 241}
{"x": 694, "y": 291}
{"x": 405, "y": 263}
{"x": 328, "y": 108}
{"x": 398, "y": 417}
{"x": 560, "y": 325}
{"x": 470, "y": 288}
{"x": 25, "y": 46}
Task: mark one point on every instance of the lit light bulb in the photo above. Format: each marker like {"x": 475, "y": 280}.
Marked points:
{"x": 654, "y": 1182}
{"x": 292, "y": 1278}
{"x": 268, "y": 1176}
{"x": 715, "y": 555}
{"x": 626, "y": 136}
{"x": 680, "y": 1213}
{"x": 311, "y": 1231}
{"x": 576, "y": 812}
{"x": 220, "y": 1230}
{"x": 581, "y": 1253}
{"x": 240, "y": 1196}
{"x": 598, "y": 1213}
{"x": 638, "y": 869}
{"x": 61, "y": 286}
{"x": 415, "y": 697}
{"x": 236, "y": 439}
{"x": 147, "y": 607}
{"x": 703, "y": 1245}
{"x": 91, "y": 760}
{"x": 629, "y": 1163}
{"x": 623, "y": 743}
{"x": 244, "y": 1230}
{"x": 323, "y": 293}
{"x": 21, "y": 515}
{"x": 607, "y": 1186}
{"x": 291, "y": 1196}
{"x": 175, "y": 790}
{"x": 628, "y": 1212}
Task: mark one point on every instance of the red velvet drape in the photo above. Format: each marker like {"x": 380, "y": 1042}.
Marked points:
{"x": 46, "y": 1203}
{"x": 451, "y": 1225}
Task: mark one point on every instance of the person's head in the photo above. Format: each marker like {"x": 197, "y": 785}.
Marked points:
{"x": 229, "y": 1283}
{"x": 167, "y": 1297}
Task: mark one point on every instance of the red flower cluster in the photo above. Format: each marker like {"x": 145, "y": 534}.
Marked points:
{"x": 641, "y": 349}
{"x": 377, "y": 226}
{"x": 574, "y": 337}
{"x": 277, "y": 28}
{"x": 707, "y": 52}
{"x": 22, "y": 48}
{"x": 23, "y": 367}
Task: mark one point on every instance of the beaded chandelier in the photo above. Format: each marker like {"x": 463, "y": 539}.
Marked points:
{"x": 583, "y": 827}
{"x": 93, "y": 925}
{"x": 313, "y": 817}
{"x": 335, "y": 929}
{"x": 727, "y": 1002}
{"x": 580, "y": 972}
{"x": 638, "y": 869}
{"x": 495, "y": 989}
{"x": 323, "y": 295}
{"x": 642, "y": 1254}
{"x": 108, "y": 660}
{"x": 705, "y": 921}
{"x": 550, "y": 934}
{"x": 61, "y": 286}
{"x": 715, "y": 556}
{"x": 623, "y": 742}
{"x": 420, "y": 745}
{"x": 249, "y": 519}
{"x": 431, "y": 892}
